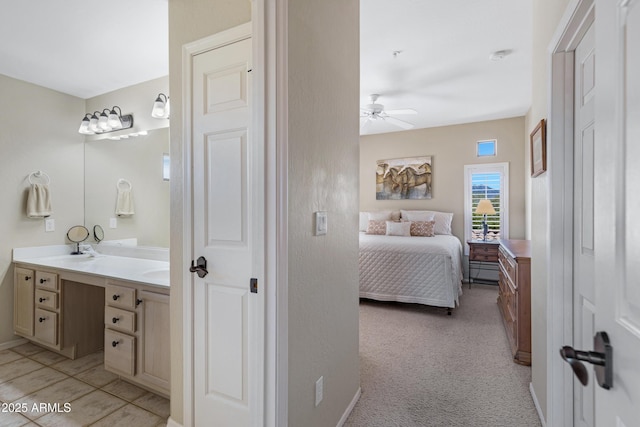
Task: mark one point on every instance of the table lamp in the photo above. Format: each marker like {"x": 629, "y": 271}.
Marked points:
{"x": 485, "y": 208}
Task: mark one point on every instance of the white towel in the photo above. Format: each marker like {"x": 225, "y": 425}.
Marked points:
{"x": 39, "y": 201}
{"x": 124, "y": 203}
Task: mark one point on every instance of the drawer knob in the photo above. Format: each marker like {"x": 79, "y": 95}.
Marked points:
{"x": 41, "y": 299}
{"x": 42, "y": 319}
{"x": 44, "y": 280}
{"x": 115, "y": 297}
{"x": 115, "y": 320}
{"x": 27, "y": 278}
{"x": 115, "y": 343}
{"x": 138, "y": 301}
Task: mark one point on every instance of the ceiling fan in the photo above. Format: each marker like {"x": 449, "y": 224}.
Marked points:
{"x": 373, "y": 111}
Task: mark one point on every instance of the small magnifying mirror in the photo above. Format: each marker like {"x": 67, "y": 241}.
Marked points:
{"x": 77, "y": 234}
{"x": 98, "y": 233}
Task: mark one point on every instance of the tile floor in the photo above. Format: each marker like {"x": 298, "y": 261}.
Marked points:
{"x": 42, "y": 388}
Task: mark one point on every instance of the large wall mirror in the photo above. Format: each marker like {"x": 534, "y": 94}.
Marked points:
{"x": 110, "y": 166}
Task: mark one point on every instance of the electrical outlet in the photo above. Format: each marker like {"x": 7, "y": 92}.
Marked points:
{"x": 113, "y": 222}
{"x": 49, "y": 224}
{"x": 321, "y": 223}
{"x": 319, "y": 387}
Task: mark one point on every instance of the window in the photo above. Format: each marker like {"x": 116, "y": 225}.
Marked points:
{"x": 487, "y": 181}
{"x": 486, "y": 148}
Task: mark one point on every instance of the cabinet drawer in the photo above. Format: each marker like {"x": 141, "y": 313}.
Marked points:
{"x": 46, "y": 299}
{"x": 120, "y": 296}
{"x": 120, "y": 319}
{"x": 46, "y": 326}
{"x": 483, "y": 252}
{"x": 508, "y": 264}
{"x": 508, "y": 296}
{"x": 119, "y": 352}
{"x": 46, "y": 280}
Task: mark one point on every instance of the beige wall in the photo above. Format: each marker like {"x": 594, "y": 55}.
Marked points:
{"x": 39, "y": 131}
{"x": 323, "y": 175}
{"x": 451, "y": 147}
{"x": 546, "y": 16}
{"x": 189, "y": 20}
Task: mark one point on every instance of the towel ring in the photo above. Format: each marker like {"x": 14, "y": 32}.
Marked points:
{"x": 123, "y": 181}
{"x": 39, "y": 175}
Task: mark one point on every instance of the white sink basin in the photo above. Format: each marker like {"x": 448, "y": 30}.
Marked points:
{"x": 160, "y": 274}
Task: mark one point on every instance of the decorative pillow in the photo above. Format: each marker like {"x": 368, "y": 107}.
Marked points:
{"x": 417, "y": 215}
{"x": 443, "y": 222}
{"x": 377, "y": 227}
{"x": 398, "y": 228}
{"x": 422, "y": 228}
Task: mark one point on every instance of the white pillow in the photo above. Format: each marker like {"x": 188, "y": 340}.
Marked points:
{"x": 398, "y": 228}
{"x": 377, "y": 216}
{"x": 443, "y": 222}
{"x": 417, "y": 215}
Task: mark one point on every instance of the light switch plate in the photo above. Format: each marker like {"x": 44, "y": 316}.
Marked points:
{"x": 49, "y": 224}
{"x": 321, "y": 223}
{"x": 113, "y": 222}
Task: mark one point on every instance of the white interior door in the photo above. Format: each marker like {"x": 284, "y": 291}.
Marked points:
{"x": 617, "y": 187}
{"x": 584, "y": 301}
{"x": 227, "y": 231}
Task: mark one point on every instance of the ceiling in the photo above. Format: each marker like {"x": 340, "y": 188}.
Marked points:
{"x": 84, "y": 48}
{"x": 442, "y": 70}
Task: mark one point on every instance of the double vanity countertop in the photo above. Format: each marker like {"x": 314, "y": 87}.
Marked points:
{"x": 144, "y": 265}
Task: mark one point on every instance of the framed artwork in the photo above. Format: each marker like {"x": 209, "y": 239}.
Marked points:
{"x": 539, "y": 149}
{"x": 406, "y": 178}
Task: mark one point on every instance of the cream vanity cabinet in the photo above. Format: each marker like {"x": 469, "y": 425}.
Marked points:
{"x": 57, "y": 313}
{"x": 136, "y": 336}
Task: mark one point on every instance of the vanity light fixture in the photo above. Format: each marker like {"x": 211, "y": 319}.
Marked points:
{"x": 108, "y": 120}
{"x": 161, "y": 107}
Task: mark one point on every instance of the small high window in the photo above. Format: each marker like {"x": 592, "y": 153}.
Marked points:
{"x": 486, "y": 148}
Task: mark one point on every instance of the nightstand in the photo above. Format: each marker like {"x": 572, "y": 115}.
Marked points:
{"x": 483, "y": 256}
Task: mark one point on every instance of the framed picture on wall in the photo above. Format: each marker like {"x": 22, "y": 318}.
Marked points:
{"x": 407, "y": 178}
{"x": 539, "y": 149}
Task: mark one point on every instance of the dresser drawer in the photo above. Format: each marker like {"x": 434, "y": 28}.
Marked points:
{"x": 46, "y": 280}
{"x": 47, "y": 299}
{"x": 120, "y": 296}
{"x": 483, "y": 252}
{"x": 508, "y": 264}
{"x": 119, "y": 352}
{"x": 46, "y": 326}
{"x": 508, "y": 297}
{"x": 120, "y": 319}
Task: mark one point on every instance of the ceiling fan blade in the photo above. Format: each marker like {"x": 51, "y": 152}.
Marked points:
{"x": 402, "y": 111}
{"x": 399, "y": 123}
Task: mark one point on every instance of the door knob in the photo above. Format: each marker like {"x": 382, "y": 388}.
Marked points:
{"x": 601, "y": 358}
{"x": 200, "y": 268}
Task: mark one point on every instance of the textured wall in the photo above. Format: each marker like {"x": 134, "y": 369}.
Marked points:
{"x": 546, "y": 16}
{"x": 323, "y": 175}
{"x": 39, "y": 131}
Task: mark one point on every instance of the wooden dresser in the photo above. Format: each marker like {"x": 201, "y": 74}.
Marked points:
{"x": 514, "y": 296}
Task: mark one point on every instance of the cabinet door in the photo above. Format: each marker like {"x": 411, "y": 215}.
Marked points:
{"x": 23, "y": 294}
{"x": 153, "y": 348}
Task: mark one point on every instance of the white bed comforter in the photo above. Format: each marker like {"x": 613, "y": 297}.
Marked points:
{"x": 424, "y": 270}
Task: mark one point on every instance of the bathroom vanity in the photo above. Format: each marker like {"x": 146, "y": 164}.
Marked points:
{"x": 79, "y": 304}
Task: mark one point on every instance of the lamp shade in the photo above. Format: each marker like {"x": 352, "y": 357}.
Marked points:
{"x": 485, "y": 207}
{"x": 160, "y": 108}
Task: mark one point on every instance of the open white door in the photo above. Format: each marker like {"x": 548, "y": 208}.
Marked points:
{"x": 617, "y": 192}
{"x": 228, "y": 230}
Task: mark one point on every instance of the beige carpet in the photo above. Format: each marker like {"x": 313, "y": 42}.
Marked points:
{"x": 420, "y": 367}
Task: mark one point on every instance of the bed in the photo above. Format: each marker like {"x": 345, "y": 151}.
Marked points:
{"x": 423, "y": 270}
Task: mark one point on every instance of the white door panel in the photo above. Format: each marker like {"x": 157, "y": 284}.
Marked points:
{"x": 225, "y": 166}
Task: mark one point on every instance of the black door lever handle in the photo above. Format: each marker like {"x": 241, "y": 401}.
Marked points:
{"x": 200, "y": 268}
{"x": 601, "y": 358}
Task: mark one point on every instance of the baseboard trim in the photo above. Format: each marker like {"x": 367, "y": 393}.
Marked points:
{"x": 172, "y": 423}
{"x": 11, "y": 344}
{"x": 536, "y": 404}
{"x": 347, "y": 412}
